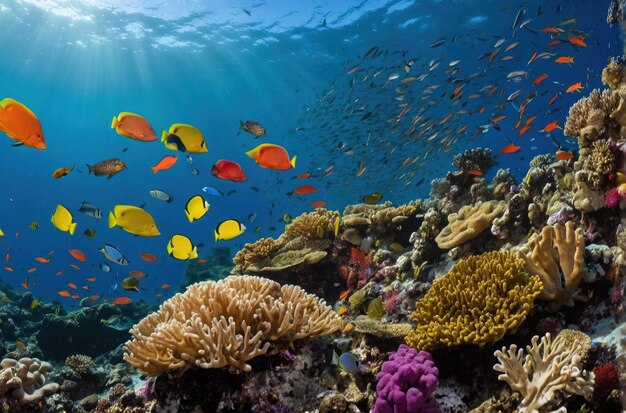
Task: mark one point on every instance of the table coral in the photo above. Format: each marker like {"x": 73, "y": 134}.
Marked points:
{"x": 28, "y": 377}
{"x": 406, "y": 382}
{"x": 557, "y": 256}
{"x": 468, "y": 223}
{"x": 550, "y": 372}
{"x": 477, "y": 302}
{"x": 226, "y": 323}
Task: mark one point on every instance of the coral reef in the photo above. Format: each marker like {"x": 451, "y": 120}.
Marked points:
{"x": 477, "y": 302}
{"x": 550, "y": 372}
{"x": 406, "y": 382}
{"x": 469, "y": 222}
{"x": 26, "y": 379}
{"x": 215, "y": 324}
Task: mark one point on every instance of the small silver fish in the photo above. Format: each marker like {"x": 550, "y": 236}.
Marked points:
{"x": 91, "y": 210}
{"x": 161, "y": 195}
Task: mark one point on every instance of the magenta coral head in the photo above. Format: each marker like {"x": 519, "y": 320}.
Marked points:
{"x": 405, "y": 383}
{"x": 612, "y": 198}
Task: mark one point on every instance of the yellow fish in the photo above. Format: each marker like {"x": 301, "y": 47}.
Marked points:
{"x": 181, "y": 248}
{"x": 185, "y": 138}
{"x": 62, "y": 219}
{"x": 196, "y": 207}
{"x": 229, "y": 229}
{"x": 134, "y": 220}
{"x": 130, "y": 283}
{"x": 1, "y": 233}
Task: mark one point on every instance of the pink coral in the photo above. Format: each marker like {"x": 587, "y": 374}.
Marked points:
{"x": 612, "y": 198}
{"x": 391, "y": 299}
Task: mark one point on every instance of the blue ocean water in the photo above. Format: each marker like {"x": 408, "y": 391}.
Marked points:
{"x": 298, "y": 68}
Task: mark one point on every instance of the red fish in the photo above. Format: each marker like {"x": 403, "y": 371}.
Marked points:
{"x": 556, "y": 95}
{"x": 165, "y": 163}
{"x": 551, "y": 30}
{"x": 78, "y": 255}
{"x": 272, "y": 156}
{"x": 575, "y": 87}
{"x": 122, "y": 300}
{"x": 563, "y": 155}
{"x": 21, "y": 124}
{"x": 229, "y": 170}
{"x": 165, "y": 286}
{"x": 532, "y": 58}
{"x": 92, "y": 279}
{"x": 64, "y": 293}
{"x": 25, "y": 283}
{"x": 318, "y": 204}
{"x": 72, "y": 286}
{"x": 474, "y": 172}
{"x": 344, "y": 294}
{"x": 76, "y": 267}
{"x": 540, "y": 79}
{"x": 510, "y": 148}
{"x": 304, "y": 190}
{"x": 577, "y": 40}
{"x": 564, "y": 59}
{"x": 32, "y": 269}
{"x": 146, "y": 256}
{"x": 555, "y": 43}
{"x": 304, "y": 175}
{"x": 42, "y": 260}
{"x": 136, "y": 273}
{"x": 550, "y": 127}
{"x": 524, "y": 129}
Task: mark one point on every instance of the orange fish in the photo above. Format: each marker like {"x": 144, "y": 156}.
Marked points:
{"x": 133, "y": 126}
{"x": 146, "y": 256}
{"x": 510, "y": 148}
{"x": 75, "y": 296}
{"x": 76, "y": 267}
{"x": 78, "y": 255}
{"x": 348, "y": 328}
{"x": 272, "y": 156}
{"x": 531, "y": 120}
{"x": 25, "y": 283}
{"x": 524, "y": 129}
{"x": 94, "y": 297}
{"x": 32, "y": 269}
{"x": 21, "y": 124}
{"x": 122, "y": 300}
{"x": 343, "y": 310}
{"x": 361, "y": 171}
{"x": 42, "y": 260}
{"x": 165, "y": 286}
{"x": 304, "y": 175}
{"x": 92, "y": 279}
{"x": 556, "y": 95}
{"x": 564, "y": 59}
{"x": 85, "y": 287}
{"x": 135, "y": 273}
{"x": 72, "y": 286}
{"x": 9, "y": 269}
{"x": 304, "y": 190}
{"x": 5, "y": 299}
{"x": 563, "y": 155}
{"x": 474, "y": 172}
{"x": 344, "y": 294}
{"x": 20, "y": 344}
{"x": 201, "y": 261}
{"x": 551, "y": 30}
{"x": 447, "y": 118}
{"x": 7, "y": 258}
{"x": 498, "y": 119}
{"x": 532, "y": 58}
{"x": 555, "y": 43}
{"x": 575, "y": 87}
{"x": 229, "y": 170}
{"x": 165, "y": 163}
{"x": 577, "y": 41}
{"x": 540, "y": 79}
{"x": 318, "y": 204}
{"x": 550, "y": 127}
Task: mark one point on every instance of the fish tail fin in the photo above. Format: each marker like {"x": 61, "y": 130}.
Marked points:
{"x": 154, "y": 169}
{"x": 72, "y": 228}
{"x": 112, "y": 220}
{"x": 114, "y": 122}
{"x": 216, "y": 235}
{"x": 194, "y": 253}
{"x": 293, "y": 162}
{"x": 241, "y": 124}
{"x": 164, "y": 135}
{"x": 189, "y": 217}
{"x": 90, "y": 168}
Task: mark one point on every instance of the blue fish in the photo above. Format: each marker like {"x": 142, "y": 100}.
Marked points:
{"x": 347, "y": 362}
{"x": 211, "y": 190}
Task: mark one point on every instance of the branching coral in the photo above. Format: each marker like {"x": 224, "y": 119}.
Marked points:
{"x": 317, "y": 224}
{"x": 557, "y": 256}
{"x": 601, "y": 159}
{"x": 550, "y": 372}
{"x": 590, "y": 116}
{"x": 79, "y": 363}
{"x": 468, "y": 223}
{"x": 614, "y": 74}
{"x": 226, "y": 323}
{"x": 255, "y": 253}
{"x": 477, "y": 302}
{"x": 28, "y": 378}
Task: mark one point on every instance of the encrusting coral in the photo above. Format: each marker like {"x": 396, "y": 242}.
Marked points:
{"x": 557, "y": 256}
{"x": 28, "y": 377}
{"x": 226, "y": 323}
{"x": 256, "y": 252}
{"x": 477, "y": 302}
{"x": 468, "y": 223}
{"x": 550, "y": 372}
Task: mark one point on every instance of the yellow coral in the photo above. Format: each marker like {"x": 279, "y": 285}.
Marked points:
{"x": 317, "y": 224}
{"x": 601, "y": 160}
{"x": 255, "y": 253}
{"x": 228, "y": 322}
{"x": 477, "y": 302}
{"x": 468, "y": 223}
{"x": 590, "y": 116}
{"x": 613, "y": 74}
{"x": 557, "y": 256}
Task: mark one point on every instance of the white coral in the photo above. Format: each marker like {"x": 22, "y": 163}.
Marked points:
{"x": 550, "y": 372}
{"x": 28, "y": 379}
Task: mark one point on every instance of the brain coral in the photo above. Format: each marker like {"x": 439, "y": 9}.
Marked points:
{"x": 477, "y": 302}
{"x": 228, "y": 322}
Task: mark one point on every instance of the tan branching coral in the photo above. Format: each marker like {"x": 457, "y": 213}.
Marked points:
{"x": 468, "y": 223}
{"x": 557, "y": 256}
{"x": 590, "y": 116}
{"x": 27, "y": 378}
{"x": 601, "y": 159}
{"x": 226, "y": 323}
{"x": 614, "y": 75}
{"x": 549, "y": 373}
{"x": 368, "y": 325}
{"x": 256, "y": 253}
{"x": 365, "y": 214}
{"x": 80, "y": 363}
{"x": 317, "y": 224}
{"x": 477, "y": 302}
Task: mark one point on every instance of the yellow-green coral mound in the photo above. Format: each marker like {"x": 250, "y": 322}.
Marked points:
{"x": 477, "y": 302}
{"x": 226, "y": 323}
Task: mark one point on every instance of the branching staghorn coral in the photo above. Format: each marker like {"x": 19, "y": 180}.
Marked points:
{"x": 468, "y": 223}
{"x": 477, "y": 302}
{"x": 81, "y": 364}
{"x": 557, "y": 257}
{"x": 550, "y": 372}
{"x": 226, "y": 323}
{"x": 28, "y": 378}
{"x": 590, "y": 117}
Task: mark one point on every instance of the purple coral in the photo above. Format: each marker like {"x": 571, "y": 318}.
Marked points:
{"x": 405, "y": 383}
